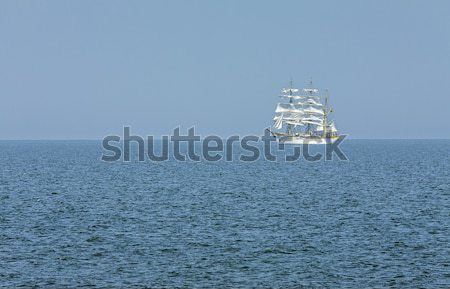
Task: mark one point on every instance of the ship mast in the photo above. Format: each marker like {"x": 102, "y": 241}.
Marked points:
{"x": 291, "y": 86}
{"x": 325, "y": 112}
{"x": 308, "y": 126}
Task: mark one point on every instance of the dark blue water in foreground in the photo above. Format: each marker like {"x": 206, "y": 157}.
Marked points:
{"x": 382, "y": 219}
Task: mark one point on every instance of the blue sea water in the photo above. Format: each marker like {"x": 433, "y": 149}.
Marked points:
{"x": 381, "y": 219}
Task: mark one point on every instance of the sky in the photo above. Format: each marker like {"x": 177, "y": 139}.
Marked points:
{"x": 84, "y": 69}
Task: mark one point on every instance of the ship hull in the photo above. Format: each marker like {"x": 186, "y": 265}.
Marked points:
{"x": 305, "y": 139}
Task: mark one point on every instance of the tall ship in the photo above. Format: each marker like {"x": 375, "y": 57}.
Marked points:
{"x": 303, "y": 116}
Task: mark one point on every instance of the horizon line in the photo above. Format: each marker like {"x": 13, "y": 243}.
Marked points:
{"x": 159, "y": 138}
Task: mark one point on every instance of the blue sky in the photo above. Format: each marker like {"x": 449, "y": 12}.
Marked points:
{"x": 84, "y": 69}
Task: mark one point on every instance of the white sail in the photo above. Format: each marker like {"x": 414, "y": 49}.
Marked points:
{"x": 294, "y": 97}
{"x": 295, "y": 123}
{"x": 332, "y": 127}
{"x": 279, "y": 122}
{"x": 312, "y": 102}
{"x": 293, "y": 116}
{"x": 289, "y": 107}
{"x": 312, "y": 96}
{"x": 313, "y": 118}
{"x": 281, "y": 107}
{"x": 311, "y": 122}
{"x": 313, "y": 110}
{"x": 289, "y": 90}
{"x": 311, "y": 90}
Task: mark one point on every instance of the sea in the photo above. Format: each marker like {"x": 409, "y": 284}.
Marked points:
{"x": 379, "y": 219}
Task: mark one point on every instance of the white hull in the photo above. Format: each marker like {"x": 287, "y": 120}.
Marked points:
{"x": 305, "y": 140}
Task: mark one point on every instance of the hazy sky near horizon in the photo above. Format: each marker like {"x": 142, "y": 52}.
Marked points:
{"x": 84, "y": 69}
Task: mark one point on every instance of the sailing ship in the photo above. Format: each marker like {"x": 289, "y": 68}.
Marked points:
{"x": 303, "y": 118}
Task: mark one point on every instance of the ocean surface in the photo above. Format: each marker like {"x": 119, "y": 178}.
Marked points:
{"x": 380, "y": 219}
